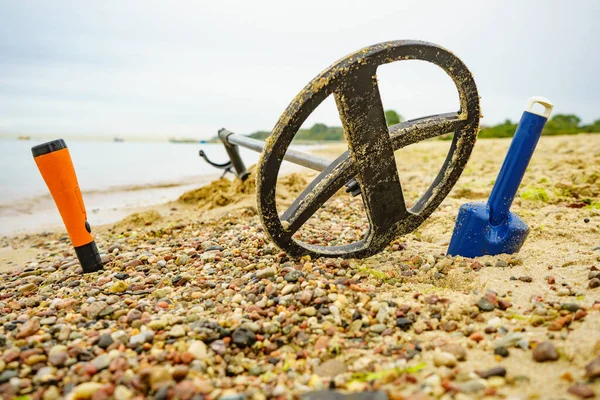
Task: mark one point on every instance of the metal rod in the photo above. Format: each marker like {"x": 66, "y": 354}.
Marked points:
{"x": 294, "y": 156}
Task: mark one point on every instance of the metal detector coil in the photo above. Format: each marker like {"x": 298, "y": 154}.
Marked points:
{"x": 368, "y": 167}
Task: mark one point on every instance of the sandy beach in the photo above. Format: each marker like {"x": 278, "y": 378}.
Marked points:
{"x": 195, "y": 300}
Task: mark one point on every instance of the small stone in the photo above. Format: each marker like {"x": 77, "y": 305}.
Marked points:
{"x": 122, "y": 393}
{"x": 330, "y": 368}
{"x": 545, "y": 351}
{"x": 403, "y": 323}
{"x": 159, "y": 378}
{"x": 179, "y": 372}
{"x": 133, "y": 315}
{"x": 58, "y": 358}
{"x": 527, "y": 279}
{"x": 28, "y": 328}
{"x": 157, "y": 324}
{"x": 442, "y": 358}
{"x": 85, "y": 390}
{"x": 141, "y": 338}
{"x": 237, "y": 298}
{"x": 509, "y": 340}
{"x": 118, "y": 287}
{"x": 265, "y": 273}
{"x": 46, "y": 375}
{"x": 472, "y": 386}
{"x": 52, "y": 393}
{"x": 377, "y": 328}
{"x": 476, "y": 336}
{"x": 582, "y": 391}
{"x": 501, "y": 351}
{"x": 592, "y": 370}
{"x": 287, "y": 289}
{"x": 182, "y": 259}
{"x": 563, "y": 291}
{"x": 177, "y": 331}
{"x": 293, "y": 276}
{"x": 485, "y": 305}
{"x": 495, "y": 371}
{"x": 30, "y": 287}
{"x": 594, "y": 283}
{"x": 105, "y": 340}
{"x": 198, "y": 349}
{"x": 101, "y": 362}
{"x": 219, "y": 347}
{"x": 501, "y": 264}
{"x": 8, "y": 375}
{"x": 309, "y": 311}
{"x": 306, "y": 296}
{"x": 456, "y": 350}
{"x": 243, "y": 337}
{"x": 94, "y": 309}
{"x": 48, "y": 321}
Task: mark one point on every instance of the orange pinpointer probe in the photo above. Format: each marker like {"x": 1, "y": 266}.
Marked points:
{"x": 54, "y": 162}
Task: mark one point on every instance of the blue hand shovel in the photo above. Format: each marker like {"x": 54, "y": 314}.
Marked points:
{"x": 490, "y": 228}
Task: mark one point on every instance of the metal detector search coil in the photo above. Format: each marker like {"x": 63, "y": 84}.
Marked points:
{"x": 368, "y": 167}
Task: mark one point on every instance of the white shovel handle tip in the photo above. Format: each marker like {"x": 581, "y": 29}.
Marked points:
{"x": 540, "y": 100}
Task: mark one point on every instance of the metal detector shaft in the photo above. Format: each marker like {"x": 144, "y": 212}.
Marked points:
{"x": 294, "y": 156}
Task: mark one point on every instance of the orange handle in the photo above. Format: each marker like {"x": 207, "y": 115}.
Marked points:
{"x": 58, "y": 172}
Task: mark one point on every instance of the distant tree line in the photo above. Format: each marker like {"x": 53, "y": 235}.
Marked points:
{"x": 559, "y": 124}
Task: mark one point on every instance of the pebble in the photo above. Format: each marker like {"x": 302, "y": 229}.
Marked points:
{"x": 287, "y": 289}
{"x": 105, "y": 340}
{"x": 472, "y": 386}
{"x": 403, "y": 323}
{"x": 442, "y": 358}
{"x": 594, "y": 283}
{"x": 177, "y": 331}
{"x": 494, "y": 371}
{"x": 501, "y": 351}
{"x": 243, "y": 337}
{"x": 141, "y": 338}
{"x": 8, "y": 375}
{"x": 377, "y": 328}
{"x": 118, "y": 287}
{"x": 456, "y": 350}
{"x": 86, "y": 390}
{"x": 545, "y": 351}
{"x": 101, "y": 362}
{"x": 563, "y": 291}
{"x": 159, "y": 378}
{"x": 485, "y": 305}
{"x": 198, "y": 349}
{"x": 265, "y": 273}
{"x": 592, "y": 370}
{"x": 122, "y": 393}
{"x": 582, "y": 391}
{"x": 293, "y": 276}
{"x": 331, "y": 368}
{"x": 28, "y": 328}
{"x": 30, "y": 287}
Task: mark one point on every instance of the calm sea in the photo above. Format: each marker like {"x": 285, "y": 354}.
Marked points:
{"x": 114, "y": 179}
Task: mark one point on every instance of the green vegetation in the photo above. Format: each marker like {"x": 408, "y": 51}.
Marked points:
{"x": 559, "y": 124}
{"x": 393, "y": 118}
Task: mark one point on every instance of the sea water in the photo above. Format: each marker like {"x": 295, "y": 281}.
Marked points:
{"x": 114, "y": 177}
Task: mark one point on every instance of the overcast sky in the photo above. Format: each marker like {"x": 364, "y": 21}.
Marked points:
{"x": 179, "y": 68}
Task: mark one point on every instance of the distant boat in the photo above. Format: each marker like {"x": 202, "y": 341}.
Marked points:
{"x": 182, "y": 140}
{"x": 118, "y": 139}
{"x": 24, "y": 137}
